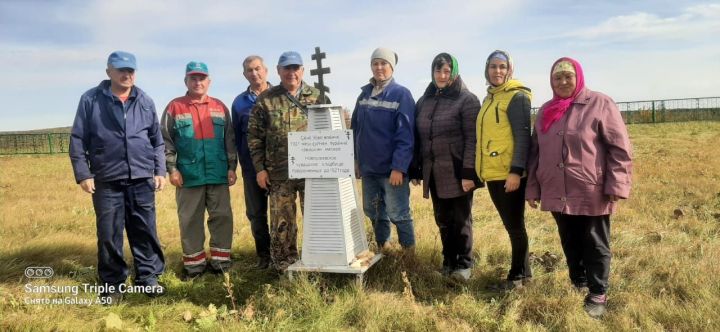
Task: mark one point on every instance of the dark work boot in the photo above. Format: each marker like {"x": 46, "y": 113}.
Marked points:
{"x": 595, "y": 305}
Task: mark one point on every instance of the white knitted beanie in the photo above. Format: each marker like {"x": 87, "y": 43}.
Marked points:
{"x": 385, "y": 54}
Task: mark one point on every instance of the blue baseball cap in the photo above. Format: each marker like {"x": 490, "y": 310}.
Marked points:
{"x": 196, "y": 67}
{"x": 121, "y": 59}
{"x": 290, "y": 58}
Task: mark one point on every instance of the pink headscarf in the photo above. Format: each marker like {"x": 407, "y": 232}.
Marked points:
{"x": 556, "y": 107}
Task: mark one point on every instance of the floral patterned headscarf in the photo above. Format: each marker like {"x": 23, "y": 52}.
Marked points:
{"x": 557, "y": 106}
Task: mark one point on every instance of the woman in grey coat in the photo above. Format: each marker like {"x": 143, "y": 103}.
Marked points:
{"x": 445, "y": 160}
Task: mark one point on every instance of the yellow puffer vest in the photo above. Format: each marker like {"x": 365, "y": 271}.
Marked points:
{"x": 494, "y": 150}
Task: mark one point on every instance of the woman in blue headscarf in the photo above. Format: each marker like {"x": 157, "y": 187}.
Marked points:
{"x": 503, "y": 131}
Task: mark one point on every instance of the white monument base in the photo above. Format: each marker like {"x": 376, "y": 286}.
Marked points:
{"x": 358, "y": 271}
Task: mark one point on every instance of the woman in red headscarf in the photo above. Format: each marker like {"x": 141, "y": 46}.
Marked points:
{"x": 579, "y": 166}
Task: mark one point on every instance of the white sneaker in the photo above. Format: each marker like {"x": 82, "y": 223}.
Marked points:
{"x": 461, "y": 274}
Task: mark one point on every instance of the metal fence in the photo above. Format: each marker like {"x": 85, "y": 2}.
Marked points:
{"x": 668, "y": 110}
{"x": 650, "y": 111}
{"x": 671, "y": 110}
{"x": 45, "y": 143}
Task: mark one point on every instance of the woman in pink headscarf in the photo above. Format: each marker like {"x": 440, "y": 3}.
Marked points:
{"x": 579, "y": 166}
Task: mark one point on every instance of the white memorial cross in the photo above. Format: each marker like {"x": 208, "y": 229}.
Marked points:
{"x": 333, "y": 228}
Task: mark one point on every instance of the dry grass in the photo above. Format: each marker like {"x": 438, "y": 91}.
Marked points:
{"x": 664, "y": 270}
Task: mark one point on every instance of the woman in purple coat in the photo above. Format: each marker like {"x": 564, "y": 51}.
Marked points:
{"x": 579, "y": 166}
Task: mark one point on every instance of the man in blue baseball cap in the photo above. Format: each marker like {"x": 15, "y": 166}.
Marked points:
{"x": 279, "y": 110}
{"x": 290, "y": 58}
{"x": 117, "y": 154}
{"x": 120, "y": 59}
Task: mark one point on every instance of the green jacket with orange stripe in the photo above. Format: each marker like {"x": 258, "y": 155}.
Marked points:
{"x": 199, "y": 140}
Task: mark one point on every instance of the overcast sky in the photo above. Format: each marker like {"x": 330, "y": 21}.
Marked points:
{"x": 53, "y": 51}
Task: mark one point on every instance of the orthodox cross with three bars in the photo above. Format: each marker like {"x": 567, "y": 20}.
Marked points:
{"x": 319, "y": 72}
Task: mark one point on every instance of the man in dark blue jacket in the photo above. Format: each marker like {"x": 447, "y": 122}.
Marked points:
{"x": 117, "y": 154}
{"x": 256, "y": 201}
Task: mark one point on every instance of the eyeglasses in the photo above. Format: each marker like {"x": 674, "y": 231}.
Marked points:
{"x": 126, "y": 70}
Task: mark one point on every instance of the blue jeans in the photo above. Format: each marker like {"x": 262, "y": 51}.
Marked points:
{"x": 384, "y": 204}
{"x": 127, "y": 205}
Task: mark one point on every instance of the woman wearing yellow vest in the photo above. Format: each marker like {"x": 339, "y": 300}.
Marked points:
{"x": 503, "y": 141}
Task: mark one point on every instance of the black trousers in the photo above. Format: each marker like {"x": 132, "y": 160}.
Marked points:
{"x": 511, "y": 208}
{"x": 453, "y": 217}
{"x": 256, "y": 209}
{"x": 586, "y": 243}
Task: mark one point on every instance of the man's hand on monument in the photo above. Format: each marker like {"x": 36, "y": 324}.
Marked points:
{"x": 396, "y": 178}
{"x": 159, "y": 182}
{"x": 263, "y": 179}
{"x": 176, "y": 179}
{"x": 232, "y": 178}
{"x": 88, "y": 185}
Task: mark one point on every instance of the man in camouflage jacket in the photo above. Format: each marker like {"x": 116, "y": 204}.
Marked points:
{"x": 279, "y": 110}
